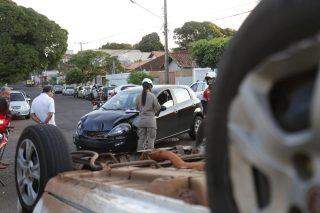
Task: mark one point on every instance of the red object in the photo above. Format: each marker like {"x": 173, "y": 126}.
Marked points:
{"x": 4, "y": 123}
{"x": 207, "y": 94}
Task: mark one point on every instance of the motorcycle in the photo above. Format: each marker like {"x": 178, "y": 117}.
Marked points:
{"x": 96, "y": 104}
{"x": 5, "y": 130}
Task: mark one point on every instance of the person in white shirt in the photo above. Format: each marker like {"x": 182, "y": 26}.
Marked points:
{"x": 42, "y": 108}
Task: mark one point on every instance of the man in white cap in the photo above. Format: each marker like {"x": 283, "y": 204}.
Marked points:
{"x": 148, "y": 106}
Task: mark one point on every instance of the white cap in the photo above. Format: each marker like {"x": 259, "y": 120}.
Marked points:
{"x": 211, "y": 75}
{"x": 147, "y": 80}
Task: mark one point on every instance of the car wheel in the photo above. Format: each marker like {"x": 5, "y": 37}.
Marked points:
{"x": 28, "y": 117}
{"x": 195, "y": 127}
{"x": 41, "y": 153}
{"x": 233, "y": 68}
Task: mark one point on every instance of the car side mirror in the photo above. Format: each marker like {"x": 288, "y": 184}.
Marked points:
{"x": 163, "y": 108}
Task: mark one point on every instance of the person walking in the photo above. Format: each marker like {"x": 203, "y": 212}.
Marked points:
{"x": 5, "y": 93}
{"x": 43, "y": 108}
{"x": 148, "y": 107}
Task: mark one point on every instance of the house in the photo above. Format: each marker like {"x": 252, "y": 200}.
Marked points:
{"x": 180, "y": 66}
{"x": 66, "y": 57}
{"x": 127, "y": 57}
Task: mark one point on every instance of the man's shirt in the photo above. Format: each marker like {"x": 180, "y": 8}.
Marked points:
{"x": 41, "y": 106}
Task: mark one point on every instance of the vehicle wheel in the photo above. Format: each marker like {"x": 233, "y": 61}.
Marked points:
{"x": 41, "y": 153}
{"x": 195, "y": 127}
{"x": 28, "y": 117}
{"x": 235, "y": 65}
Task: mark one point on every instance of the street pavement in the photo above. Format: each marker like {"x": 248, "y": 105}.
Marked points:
{"x": 68, "y": 112}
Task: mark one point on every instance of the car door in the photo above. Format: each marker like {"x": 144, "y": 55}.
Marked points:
{"x": 184, "y": 108}
{"x": 167, "y": 120}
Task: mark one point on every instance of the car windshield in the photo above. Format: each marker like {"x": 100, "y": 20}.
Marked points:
{"x": 16, "y": 97}
{"x": 58, "y": 87}
{"x": 122, "y": 101}
{"x": 69, "y": 87}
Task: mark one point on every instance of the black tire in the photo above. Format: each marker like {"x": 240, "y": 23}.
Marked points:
{"x": 272, "y": 26}
{"x": 53, "y": 157}
{"x": 193, "y": 131}
{"x": 28, "y": 117}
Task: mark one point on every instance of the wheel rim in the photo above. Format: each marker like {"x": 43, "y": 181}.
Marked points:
{"x": 28, "y": 172}
{"x": 197, "y": 125}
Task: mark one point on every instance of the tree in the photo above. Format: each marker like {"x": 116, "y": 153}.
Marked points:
{"x": 117, "y": 46}
{"x": 75, "y": 76}
{"x": 136, "y": 77}
{"x": 29, "y": 42}
{"x": 53, "y": 80}
{"x": 207, "y": 53}
{"x": 150, "y": 42}
{"x": 193, "y": 31}
{"x": 93, "y": 63}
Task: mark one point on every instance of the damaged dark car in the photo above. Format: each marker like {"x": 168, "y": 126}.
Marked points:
{"x": 111, "y": 128}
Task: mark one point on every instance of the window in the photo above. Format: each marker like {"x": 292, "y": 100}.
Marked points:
{"x": 165, "y": 99}
{"x": 16, "y": 97}
{"x": 181, "y": 94}
{"x": 194, "y": 87}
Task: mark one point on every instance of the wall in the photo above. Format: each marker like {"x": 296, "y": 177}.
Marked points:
{"x": 118, "y": 79}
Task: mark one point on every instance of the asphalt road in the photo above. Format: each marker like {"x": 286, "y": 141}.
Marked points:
{"x": 68, "y": 112}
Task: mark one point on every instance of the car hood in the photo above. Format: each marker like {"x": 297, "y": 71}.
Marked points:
{"x": 101, "y": 120}
{"x": 18, "y": 103}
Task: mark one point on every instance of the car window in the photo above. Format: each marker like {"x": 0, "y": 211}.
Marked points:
{"x": 16, "y": 97}
{"x": 122, "y": 101}
{"x": 194, "y": 87}
{"x": 181, "y": 95}
{"x": 165, "y": 99}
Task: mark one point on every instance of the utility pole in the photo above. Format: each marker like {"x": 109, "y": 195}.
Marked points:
{"x": 166, "y": 63}
{"x": 80, "y": 46}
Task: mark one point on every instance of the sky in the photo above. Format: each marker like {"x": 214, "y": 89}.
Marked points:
{"x": 96, "y": 22}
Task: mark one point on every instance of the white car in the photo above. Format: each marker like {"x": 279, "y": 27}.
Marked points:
{"x": 198, "y": 88}
{"x": 68, "y": 90}
{"x": 19, "y": 105}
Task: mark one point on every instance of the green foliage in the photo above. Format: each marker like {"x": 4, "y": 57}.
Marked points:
{"x": 93, "y": 63}
{"x": 193, "y": 31}
{"x": 117, "y": 46}
{"x": 53, "y": 81}
{"x": 150, "y": 42}
{"x": 207, "y": 53}
{"x": 75, "y": 76}
{"x": 136, "y": 77}
{"x": 29, "y": 42}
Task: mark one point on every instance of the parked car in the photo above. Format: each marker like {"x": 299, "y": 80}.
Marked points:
{"x": 68, "y": 90}
{"x": 58, "y": 89}
{"x": 28, "y": 99}
{"x": 84, "y": 90}
{"x": 111, "y": 128}
{"x": 199, "y": 87}
{"x": 76, "y": 91}
{"x": 19, "y": 105}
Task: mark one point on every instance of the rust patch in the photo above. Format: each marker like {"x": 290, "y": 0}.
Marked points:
{"x": 161, "y": 155}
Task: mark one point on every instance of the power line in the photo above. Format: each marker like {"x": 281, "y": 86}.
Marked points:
{"x": 146, "y": 9}
{"x": 237, "y": 14}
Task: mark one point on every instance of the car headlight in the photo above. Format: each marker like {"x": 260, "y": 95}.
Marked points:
{"x": 120, "y": 130}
